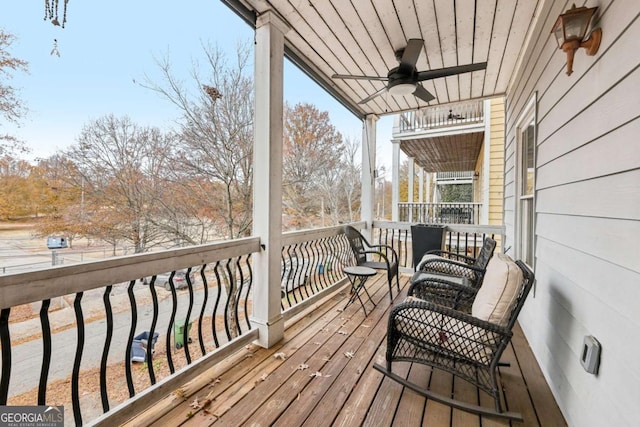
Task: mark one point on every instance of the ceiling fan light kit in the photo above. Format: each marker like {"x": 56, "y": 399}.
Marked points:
{"x": 405, "y": 78}
{"x": 399, "y": 89}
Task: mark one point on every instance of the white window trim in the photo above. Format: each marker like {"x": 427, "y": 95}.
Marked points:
{"x": 529, "y": 113}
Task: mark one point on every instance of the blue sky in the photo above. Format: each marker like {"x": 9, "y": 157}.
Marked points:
{"x": 106, "y": 45}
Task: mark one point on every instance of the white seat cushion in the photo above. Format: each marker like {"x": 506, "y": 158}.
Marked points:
{"x": 499, "y": 290}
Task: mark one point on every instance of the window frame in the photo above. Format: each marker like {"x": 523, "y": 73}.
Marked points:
{"x": 525, "y": 210}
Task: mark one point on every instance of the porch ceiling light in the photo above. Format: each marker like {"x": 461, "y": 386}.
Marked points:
{"x": 402, "y": 88}
{"x": 570, "y": 30}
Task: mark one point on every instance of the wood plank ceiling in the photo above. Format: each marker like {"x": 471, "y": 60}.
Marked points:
{"x": 450, "y": 153}
{"x": 361, "y": 36}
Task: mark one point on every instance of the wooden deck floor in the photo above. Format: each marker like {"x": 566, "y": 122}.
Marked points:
{"x": 321, "y": 375}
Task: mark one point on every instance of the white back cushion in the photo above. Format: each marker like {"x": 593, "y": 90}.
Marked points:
{"x": 499, "y": 290}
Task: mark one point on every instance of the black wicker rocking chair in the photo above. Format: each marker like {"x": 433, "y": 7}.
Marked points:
{"x": 457, "y": 342}
{"x": 363, "y": 252}
{"x": 453, "y": 264}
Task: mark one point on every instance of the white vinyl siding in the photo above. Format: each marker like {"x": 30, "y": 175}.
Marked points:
{"x": 587, "y": 212}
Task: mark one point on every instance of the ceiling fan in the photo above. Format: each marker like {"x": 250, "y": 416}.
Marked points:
{"x": 405, "y": 78}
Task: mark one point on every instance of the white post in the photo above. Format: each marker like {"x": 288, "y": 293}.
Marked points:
{"x": 267, "y": 176}
{"x": 395, "y": 180}
{"x": 486, "y": 163}
{"x": 421, "y": 194}
{"x": 411, "y": 174}
{"x": 420, "y": 185}
{"x": 368, "y": 172}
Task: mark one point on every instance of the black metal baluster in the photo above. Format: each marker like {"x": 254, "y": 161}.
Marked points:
{"x": 215, "y": 306}
{"x": 205, "y": 289}
{"x": 282, "y": 280}
{"x": 75, "y": 374}
{"x": 105, "y": 352}
{"x": 5, "y": 341}
{"x": 46, "y": 351}
{"x": 226, "y": 306}
{"x": 246, "y": 296}
{"x": 132, "y": 331}
{"x": 324, "y": 259}
{"x": 232, "y": 288}
{"x": 305, "y": 274}
{"x": 172, "y": 318}
{"x": 241, "y": 288}
{"x": 185, "y": 330}
{"x": 238, "y": 282}
{"x": 154, "y": 322}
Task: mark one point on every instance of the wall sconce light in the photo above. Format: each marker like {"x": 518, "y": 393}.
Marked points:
{"x": 570, "y": 30}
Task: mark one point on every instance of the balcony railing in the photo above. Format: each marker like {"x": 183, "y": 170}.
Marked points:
{"x": 461, "y": 239}
{"x": 128, "y": 309}
{"x": 464, "y": 113}
{"x": 145, "y": 308}
{"x": 440, "y": 213}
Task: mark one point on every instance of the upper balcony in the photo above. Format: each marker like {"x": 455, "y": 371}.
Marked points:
{"x": 459, "y": 115}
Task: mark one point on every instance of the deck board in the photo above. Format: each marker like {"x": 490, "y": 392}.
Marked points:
{"x": 255, "y": 388}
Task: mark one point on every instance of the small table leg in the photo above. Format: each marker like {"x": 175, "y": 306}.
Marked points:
{"x": 357, "y": 284}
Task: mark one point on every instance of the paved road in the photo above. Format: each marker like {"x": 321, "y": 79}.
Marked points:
{"x": 27, "y": 357}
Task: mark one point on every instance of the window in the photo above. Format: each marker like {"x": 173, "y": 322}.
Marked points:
{"x": 526, "y": 184}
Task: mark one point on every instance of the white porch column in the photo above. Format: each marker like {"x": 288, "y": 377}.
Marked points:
{"x": 420, "y": 185}
{"x": 267, "y": 176}
{"x": 411, "y": 174}
{"x": 486, "y": 163}
{"x": 367, "y": 199}
{"x": 395, "y": 180}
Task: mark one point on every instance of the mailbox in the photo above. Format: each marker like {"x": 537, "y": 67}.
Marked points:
{"x": 54, "y": 242}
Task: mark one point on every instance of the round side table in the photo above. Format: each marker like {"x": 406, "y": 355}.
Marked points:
{"x": 358, "y": 276}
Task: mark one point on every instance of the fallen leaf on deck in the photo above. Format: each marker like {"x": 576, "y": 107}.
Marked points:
{"x": 343, "y": 332}
{"x": 280, "y": 356}
{"x": 316, "y": 374}
{"x": 349, "y": 354}
{"x": 180, "y": 394}
{"x": 303, "y": 366}
{"x": 195, "y": 404}
{"x": 365, "y": 326}
{"x": 264, "y": 376}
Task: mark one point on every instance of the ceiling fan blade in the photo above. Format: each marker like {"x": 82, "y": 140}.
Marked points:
{"x": 450, "y": 71}
{"x": 410, "y": 55}
{"x": 370, "y": 97}
{"x": 423, "y": 94}
{"x": 347, "y": 76}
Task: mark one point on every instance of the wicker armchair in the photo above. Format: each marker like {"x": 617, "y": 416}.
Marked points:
{"x": 363, "y": 252}
{"x": 452, "y": 264}
{"x": 466, "y": 345}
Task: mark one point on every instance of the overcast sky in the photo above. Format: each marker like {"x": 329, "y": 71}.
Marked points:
{"x": 107, "y": 45}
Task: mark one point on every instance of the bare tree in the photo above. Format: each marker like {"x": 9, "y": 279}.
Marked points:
{"x": 350, "y": 178}
{"x": 11, "y": 107}
{"x": 311, "y": 153}
{"x": 216, "y": 135}
{"x": 122, "y": 165}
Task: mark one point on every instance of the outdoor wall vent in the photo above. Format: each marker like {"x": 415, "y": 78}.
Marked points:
{"x": 590, "y": 358}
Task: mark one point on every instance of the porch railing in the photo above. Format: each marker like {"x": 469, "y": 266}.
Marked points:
{"x": 312, "y": 261}
{"x": 176, "y": 312}
{"x": 461, "y": 239}
{"x": 440, "y": 213}
{"x": 463, "y": 113}
{"x": 179, "y": 311}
